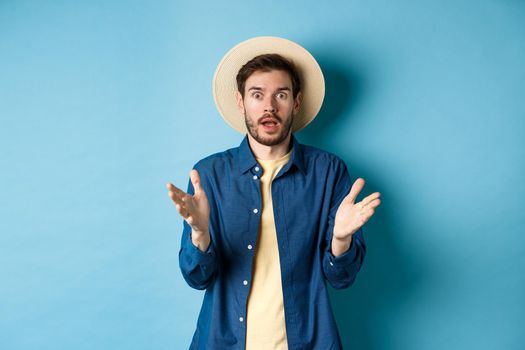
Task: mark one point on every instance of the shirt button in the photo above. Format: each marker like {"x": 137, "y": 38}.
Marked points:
{"x": 257, "y": 168}
{"x": 255, "y": 177}
{"x": 250, "y": 246}
{"x": 331, "y": 263}
{"x": 255, "y": 211}
{"x": 245, "y": 282}
{"x": 241, "y": 319}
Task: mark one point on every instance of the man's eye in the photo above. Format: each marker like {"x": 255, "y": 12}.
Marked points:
{"x": 257, "y": 95}
{"x": 281, "y": 95}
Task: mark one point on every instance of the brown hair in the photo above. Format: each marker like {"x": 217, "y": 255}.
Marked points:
{"x": 266, "y": 63}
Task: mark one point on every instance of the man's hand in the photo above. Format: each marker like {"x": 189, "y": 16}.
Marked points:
{"x": 350, "y": 216}
{"x": 194, "y": 209}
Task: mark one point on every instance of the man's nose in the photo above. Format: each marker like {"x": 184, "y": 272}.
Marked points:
{"x": 270, "y": 105}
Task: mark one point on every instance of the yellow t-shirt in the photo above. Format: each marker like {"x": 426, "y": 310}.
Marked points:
{"x": 266, "y": 327}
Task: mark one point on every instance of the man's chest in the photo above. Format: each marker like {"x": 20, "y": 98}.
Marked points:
{"x": 299, "y": 205}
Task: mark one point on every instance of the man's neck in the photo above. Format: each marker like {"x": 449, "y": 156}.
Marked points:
{"x": 264, "y": 152}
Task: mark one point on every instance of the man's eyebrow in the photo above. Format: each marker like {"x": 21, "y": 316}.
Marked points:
{"x": 258, "y": 88}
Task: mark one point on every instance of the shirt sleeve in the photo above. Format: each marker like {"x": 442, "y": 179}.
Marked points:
{"x": 198, "y": 268}
{"x": 341, "y": 271}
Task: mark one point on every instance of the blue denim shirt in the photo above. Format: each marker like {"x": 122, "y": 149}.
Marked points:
{"x": 306, "y": 194}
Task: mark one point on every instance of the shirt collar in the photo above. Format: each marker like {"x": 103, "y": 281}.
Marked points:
{"x": 246, "y": 160}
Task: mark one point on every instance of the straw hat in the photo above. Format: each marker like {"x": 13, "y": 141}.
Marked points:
{"x": 225, "y": 84}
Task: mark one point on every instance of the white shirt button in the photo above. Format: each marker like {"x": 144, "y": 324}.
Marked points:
{"x": 241, "y": 319}
{"x": 250, "y": 246}
{"x": 331, "y": 263}
{"x": 257, "y": 168}
{"x": 255, "y": 211}
{"x": 245, "y": 282}
{"x": 255, "y": 177}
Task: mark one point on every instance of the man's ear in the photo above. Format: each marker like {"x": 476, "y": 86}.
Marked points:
{"x": 240, "y": 102}
{"x": 297, "y": 103}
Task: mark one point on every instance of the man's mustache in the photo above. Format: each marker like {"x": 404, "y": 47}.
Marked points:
{"x": 270, "y": 115}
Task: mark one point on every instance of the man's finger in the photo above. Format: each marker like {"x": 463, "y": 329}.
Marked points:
{"x": 370, "y": 198}
{"x": 175, "y": 197}
{"x": 175, "y": 189}
{"x": 179, "y": 197}
{"x": 195, "y": 180}
{"x": 182, "y": 211}
{"x": 177, "y": 200}
{"x": 373, "y": 204}
{"x": 356, "y": 188}
{"x": 368, "y": 215}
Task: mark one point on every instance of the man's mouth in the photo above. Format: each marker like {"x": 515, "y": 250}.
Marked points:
{"x": 269, "y": 121}
{"x": 270, "y": 125}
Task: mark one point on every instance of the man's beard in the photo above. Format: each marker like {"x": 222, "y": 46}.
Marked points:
{"x": 268, "y": 140}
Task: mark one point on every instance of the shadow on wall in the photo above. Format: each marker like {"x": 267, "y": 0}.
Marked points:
{"x": 365, "y": 311}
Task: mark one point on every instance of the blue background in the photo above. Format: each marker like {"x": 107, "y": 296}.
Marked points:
{"x": 103, "y": 102}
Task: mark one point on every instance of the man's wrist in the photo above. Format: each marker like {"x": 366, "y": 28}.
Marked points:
{"x": 340, "y": 245}
{"x": 201, "y": 240}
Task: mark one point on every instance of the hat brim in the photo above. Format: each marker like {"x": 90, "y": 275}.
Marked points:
{"x": 225, "y": 85}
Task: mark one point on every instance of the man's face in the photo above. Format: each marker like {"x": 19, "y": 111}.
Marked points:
{"x": 268, "y": 106}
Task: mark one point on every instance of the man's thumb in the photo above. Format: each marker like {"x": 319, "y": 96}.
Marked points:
{"x": 196, "y": 180}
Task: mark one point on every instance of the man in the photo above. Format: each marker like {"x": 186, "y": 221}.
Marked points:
{"x": 266, "y": 224}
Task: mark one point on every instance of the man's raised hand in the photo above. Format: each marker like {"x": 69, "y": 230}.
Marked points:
{"x": 194, "y": 209}
{"x": 350, "y": 215}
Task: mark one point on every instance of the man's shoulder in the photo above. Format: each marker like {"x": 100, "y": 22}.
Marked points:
{"x": 318, "y": 155}
{"x": 218, "y": 159}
